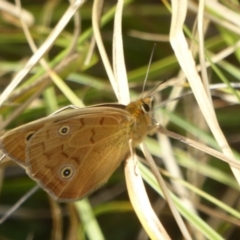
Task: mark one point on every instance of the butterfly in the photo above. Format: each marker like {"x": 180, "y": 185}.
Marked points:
{"x": 72, "y": 153}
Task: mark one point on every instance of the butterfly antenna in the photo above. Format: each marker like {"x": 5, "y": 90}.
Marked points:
{"x": 149, "y": 64}
{"x": 156, "y": 87}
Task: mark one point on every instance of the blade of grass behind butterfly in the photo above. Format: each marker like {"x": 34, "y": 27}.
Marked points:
{"x": 136, "y": 189}
{"x": 171, "y": 165}
{"x": 216, "y": 58}
{"x": 106, "y": 18}
{"x": 76, "y": 101}
{"x": 70, "y": 65}
{"x": 142, "y": 207}
{"x": 59, "y": 69}
{"x": 88, "y": 226}
{"x": 24, "y": 96}
{"x": 41, "y": 51}
{"x": 191, "y": 217}
{"x": 55, "y": 78}
{"x": 90, "y": 223}
{"x": 197, "y": 133}
{"x": 221, "y": 178}
{"x": 187, "y": 162}
{"x": 49, "y": 95}
{"x": 175, "y": 212}
{"x": 205, "y": 169}
{"x": 57, "y": 218}
{"x": 175, "y": 92}
{"x": 95, "y": 24}
{"x": 129, "y": 170}
{"x": 208, "y": 197}
{"x": 168, "y": 154}
{"x": 231, "y": 161}
{"x": 119, "y": 67}
{"x": 97, "y": 35}
{"x": 57, "y": 229}
{"x": 42, "y": 83}
{"x": 12, "y": 9}
{"x": 186, "y": 61}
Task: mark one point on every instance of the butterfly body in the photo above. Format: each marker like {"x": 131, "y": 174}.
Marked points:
{"x": 72, "y": 153}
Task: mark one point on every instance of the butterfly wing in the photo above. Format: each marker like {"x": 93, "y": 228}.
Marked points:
{"x": 73, "y": 157}
{"x": 72, "y": 153}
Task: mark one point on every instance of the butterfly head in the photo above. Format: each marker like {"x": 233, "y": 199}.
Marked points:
{"x": 142, "y": 120}
{"x": 140, "y": 107}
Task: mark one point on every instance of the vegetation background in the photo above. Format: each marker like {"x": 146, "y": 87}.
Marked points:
{"x": 211, "y": 190}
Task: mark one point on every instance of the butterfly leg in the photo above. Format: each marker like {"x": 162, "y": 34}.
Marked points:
{"x": 152, "y": 129}
{"x": 64, "y": 108}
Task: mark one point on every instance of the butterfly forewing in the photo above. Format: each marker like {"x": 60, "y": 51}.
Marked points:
{"x": 14, "y": 142}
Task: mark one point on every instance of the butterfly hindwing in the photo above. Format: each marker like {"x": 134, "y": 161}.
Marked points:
{"x": 14, "y": 142}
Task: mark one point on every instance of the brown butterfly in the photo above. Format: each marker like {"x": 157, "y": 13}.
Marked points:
{"x": 71, "y": 153}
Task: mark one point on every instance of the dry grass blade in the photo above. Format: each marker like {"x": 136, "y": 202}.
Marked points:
{"x": 13, "y": 10}
{"x": 41, "y": 51}
{"x": 56, "y": 212}
{"x": 143, "y": 208}
{"x": 190, "y": 142}
{"x": 137, "y": 192}
{"x": 18, "y": 203}
{"x": 180, "y": 46}
{"x": 95, "y": 23}
{"x": 166, "y": 193}
{"x": 118, "y": 57}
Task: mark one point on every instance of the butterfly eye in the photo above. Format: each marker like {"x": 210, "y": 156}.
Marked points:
{"x": 64, "y": 130}
{"x": 66, "y": 172}
{"x": 145, "y": 107}
{"x": 29, "y": 136}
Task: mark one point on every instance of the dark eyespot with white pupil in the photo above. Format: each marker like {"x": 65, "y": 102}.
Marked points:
{"x": 66, "y": 172}
{"x": 64, "y": 130}
{"x": 146, "y": 107}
